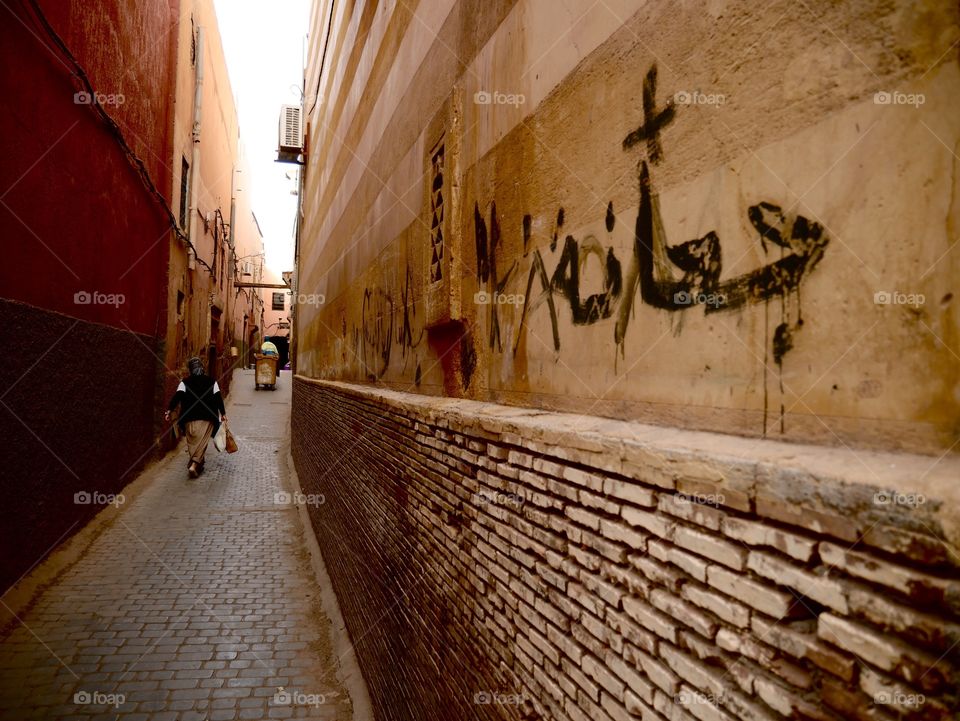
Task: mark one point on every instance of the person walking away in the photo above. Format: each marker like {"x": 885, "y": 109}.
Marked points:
{"x": 201, "y": 412}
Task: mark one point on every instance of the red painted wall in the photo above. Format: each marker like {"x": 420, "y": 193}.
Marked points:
{"x": 80, "y": 405}
{"x": 75, "y": 216}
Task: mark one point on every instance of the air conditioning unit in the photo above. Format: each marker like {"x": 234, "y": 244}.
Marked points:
{"x": 290, "y": 143}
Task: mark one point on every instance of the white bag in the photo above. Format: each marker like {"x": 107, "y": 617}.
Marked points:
{"x": 220, "y": 440}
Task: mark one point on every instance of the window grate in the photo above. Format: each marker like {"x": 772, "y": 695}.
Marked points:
{"x": 436, "y": 213}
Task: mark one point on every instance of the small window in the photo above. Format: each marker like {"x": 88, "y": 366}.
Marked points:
{"x": 278, "y": 301}
{"x": 184, "y": 190}
{"x": 436, "y": 215}
{"x": 180, "y": 299}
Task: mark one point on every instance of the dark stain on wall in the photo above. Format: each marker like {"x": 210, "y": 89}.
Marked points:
{"x": 468, "y": 359}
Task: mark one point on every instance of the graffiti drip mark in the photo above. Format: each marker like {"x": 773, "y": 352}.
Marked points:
{"x": 556, "y": 230}
{"x": 527, "y": 223}
{"x": 782, "y": 342}
{"x": 611, "y": 220}
{"x": 653, "y": 121}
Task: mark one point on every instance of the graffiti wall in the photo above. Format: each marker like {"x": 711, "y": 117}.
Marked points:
{"x": 645, "y": 213}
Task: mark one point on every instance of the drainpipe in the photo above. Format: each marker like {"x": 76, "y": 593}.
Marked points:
{"x": 233, "y": 218}
{"x": 195, "y": 155}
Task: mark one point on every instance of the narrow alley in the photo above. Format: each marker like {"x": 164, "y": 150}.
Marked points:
{"x": 195, "y": 600}
{"x": 480, "y": 360}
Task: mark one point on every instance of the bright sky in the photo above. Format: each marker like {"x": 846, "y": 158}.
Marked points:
{"x": 264, "y": 46}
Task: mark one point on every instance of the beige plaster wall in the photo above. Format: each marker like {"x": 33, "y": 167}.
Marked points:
{"x": 786, "y": 139}
{"x": 189, "y": 331}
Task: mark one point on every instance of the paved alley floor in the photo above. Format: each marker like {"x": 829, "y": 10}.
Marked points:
{"x": 197, "y": 601}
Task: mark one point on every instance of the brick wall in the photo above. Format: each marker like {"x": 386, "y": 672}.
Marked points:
{"x": 496, "y": 562}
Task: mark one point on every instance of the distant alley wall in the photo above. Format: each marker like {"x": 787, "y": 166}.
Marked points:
{"x": 713, "y": 215}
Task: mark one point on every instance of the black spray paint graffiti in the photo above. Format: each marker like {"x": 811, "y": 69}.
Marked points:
{"x": 565, "y": 282}
{"x": 405, "y": 331}
{"x": 654, "y": 265}
{"x": 375, "y": 337}
{"x": 700, "y": 262}
{"x": 487, "y": 267}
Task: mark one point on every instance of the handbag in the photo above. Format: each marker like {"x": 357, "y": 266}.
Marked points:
{"x": 220, "y": 439}
{"x": 231, "y": 441}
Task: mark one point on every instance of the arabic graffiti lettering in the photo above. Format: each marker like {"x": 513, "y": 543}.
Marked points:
{"x": 672, "y": 278}
{"x": 383, "y": 323}
{"x": 374, "y": 338}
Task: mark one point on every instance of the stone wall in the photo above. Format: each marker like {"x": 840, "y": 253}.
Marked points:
{"x": 717, "y": 215}
{"x": 503, "y": 563}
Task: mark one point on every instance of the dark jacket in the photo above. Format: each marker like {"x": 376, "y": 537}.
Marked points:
{"x": 199, "y": 399}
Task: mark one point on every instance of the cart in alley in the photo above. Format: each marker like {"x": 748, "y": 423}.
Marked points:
{"x": 266, "y": 371}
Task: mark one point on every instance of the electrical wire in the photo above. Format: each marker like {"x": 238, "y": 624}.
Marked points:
{"x": 323, "y": 58}
{"x": 138, "y": 165}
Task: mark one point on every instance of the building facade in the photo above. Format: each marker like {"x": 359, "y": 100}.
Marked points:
{"x": 213, "y": 209}
{"x": 636, "y": 317}
{"x": 86, "y": 229}
{"x": 114, "y": 274}
{"x": 277, "y": 313}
